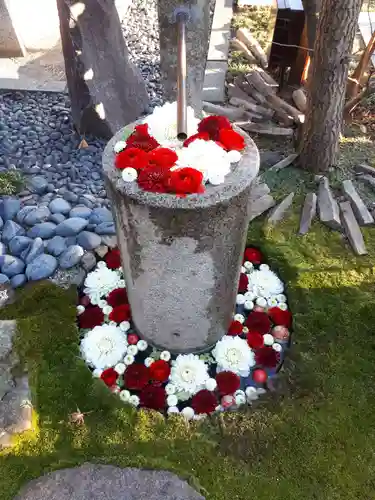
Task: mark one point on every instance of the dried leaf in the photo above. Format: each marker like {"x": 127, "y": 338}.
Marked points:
{"x": 83, "y": 144}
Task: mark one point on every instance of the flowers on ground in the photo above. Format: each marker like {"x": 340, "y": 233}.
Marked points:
{"x": 234, "y": 354}
{"x": 103, "y": 346}
{"x": 189, "y": 374}
{"x": 100, "y": 282}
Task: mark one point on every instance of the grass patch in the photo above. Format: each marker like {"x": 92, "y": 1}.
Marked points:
{"x": 11, "y": 182}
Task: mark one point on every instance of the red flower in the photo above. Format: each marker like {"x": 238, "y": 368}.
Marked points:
{"x": 212, "y": 125}
{"x": 258, "y": 322}
{"x": 205, "y": 136}
{"x": 109, "y": 377}
{"x": 227, "y": 382}
{"x": 132, "y": 339}
{"x": 91, "y": 317}
{"x": 113, "y": 259}
{"x": 260, "y": 376}
{"x": 162, "y": 157}
{"x": 231, "y": 140}
{"x": 141, "y": 139}
{"x": 117, "y": 297}
{"x": 153, "y": 178}
{"x": 120, "y": 313}
{"x": 85, "y": 300}
{"x": 160, "y": 370}
{"x": 253, "y": 255}
{"x": 255, "y": 340}
{"x": 136, "y": 376}
{"x": 267, "y": 357}
{"x": 280, "y": 317}
{"x": 131, "y": 157}
{"x": 235, "y": 328}
{"x": 185, "y": 181}
{"x": 243, "y": 282}
{"x": 153, "y": 397}
{"x": 204, "y": 402}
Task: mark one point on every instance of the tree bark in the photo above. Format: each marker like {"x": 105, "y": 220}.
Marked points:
{"x": 356, "y": 79}
{"x": 334, "y": 40}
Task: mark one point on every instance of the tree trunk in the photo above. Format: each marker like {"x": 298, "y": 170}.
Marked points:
{"x": 334, "y": 40}
{"x": 356, "y": 79}
{"x": 105, "y": 88}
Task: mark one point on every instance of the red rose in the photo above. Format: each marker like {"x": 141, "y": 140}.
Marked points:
{"x": 243, "y": 282}
{"x": 162, "y": 157}
{"x": 85, "y": 300}
{"x": 258, "y": 322}
{"x": 160, "y": 370}
{"x": 267, "y": 357}
{"x": 205, "y": 136}
{"x": 109, "y": 377}
{"x": 153, "y": 178}
{"x": 204, "y": 402}
{"x": 91, "y": 317}
{"x": 227, "y": 383}
{"x": 136, "y": 376}
{"x": 259, "y": 376}
{"x": 113, "y": 259}
{"x": 120, "y": 313}
{"x": 117, "y": 297}
{"x": 132, "y": 339}
{"x": 231, "y": 140}
{"x": 131, "y": 158}
{"x": 153, "y": 397}
{"x": 212, "y": 125}
{"x": 235, "y": 328}
{"x": 280, "y": 317}
{"x": 252, "y": 255}
{"x": 255, "y": 340}
{"x": 185, "y": 181}
{"x": 141, "y": 139}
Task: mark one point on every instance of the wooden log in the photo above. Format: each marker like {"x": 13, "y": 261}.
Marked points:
{"x": 238, "y": 45}
{"x": 231, "y": 113}
{"x": 283, "y": 163}
{"x": 300, "y": 100}
{"x": 248, "y": 39}
{"x": 369, "y": 179}
{"x": 238, "y": 93}
{"x": 365, "y": 169}
{"x": 254, "y": 108}
{"x": 265, "y": 129}
{"x": 270, "y": 82}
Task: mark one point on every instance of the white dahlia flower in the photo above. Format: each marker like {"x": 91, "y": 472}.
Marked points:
{"x": 265, "y": 283}
{"x": 234, "y": 354}
{"x": 189, "y": 374}
{"x": 100, "y": 282}
{"x": 103, "y": 346}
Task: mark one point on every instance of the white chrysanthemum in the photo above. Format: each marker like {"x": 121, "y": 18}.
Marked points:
{"x": 281, "y": 298}
{"x": 248, "y": 305}
{"x": 134, "y": 400}
{"x": 234, "y": 156}
{"x": 251, "y": 393}
{"x": 129, "y": 174}
{"x": 188, "y": 413}
{"x": 268, "y": 339}
{"x": 277, "y": 347}
{"x": 97, "y": 373}
{"x": 80, "y": 309}
{"x": 189, "y": 374}
{"x": 107, "y": 310}
{"x": 265, "y": 283}
{"x": 261, "y": 302}
{"x": 162, "y": 124}
{"x": 239, "y": 317}
{"x": 211, "y": 384}
{"x": 120, "y": 368}
{"x": 129, "y": 359}
{"x": 103, "y": 346}
{"x": 124, "y": 326}
{"x": 148, "y": 362}
{"x": 272, "y": 302}
{"x": 119, "y": 146}
{"x": 100, "y": 282}
{"x": 240, "y": 299}
{"x": 165, "y": 355}
{"x": 240, "y": 398}
{"x": 234, "y": 354}
{"x": 141, "y": 345}
{"x": 248, "y": 266}
{"x": 173, "y": 409}
{"x": 133, "y": 350}
{"x": 170, "y": 389}
{"x": 283, "y": 306}
{"x": 172, "y": 400}
{"x": 124, "y": 395}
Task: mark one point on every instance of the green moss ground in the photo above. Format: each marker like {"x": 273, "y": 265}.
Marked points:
{"x": 315, "y": 440}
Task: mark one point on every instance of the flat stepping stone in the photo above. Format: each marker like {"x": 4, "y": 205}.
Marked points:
{"x": 329, "y": 212}
{"x": 359, "y": 208}
{"x": 99, "y": 482}
{"x": 352, "y": 229}
{"x": 369, "y": 179}
{"x": 279, "y": 212}
{"x": 308, "y": 213}
{"x": 260, "y": 205}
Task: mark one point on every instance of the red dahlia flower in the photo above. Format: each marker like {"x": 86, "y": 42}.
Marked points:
{"x": 185, "y": 181}
{"x": 259, "y": 322}
{"x": 260, "y": 376}
{"x": 231, "y": 140}
{"x": 85, "y": 300}
{"x": 204, "y": 402}
{"x": 153, "y": 397}
{"x": 267, "y": 357}
{"x": 136, "y": 376}
{"x": 280, "y": 317}
{"x": 255, "y": 340}
{"x": 120, "y": 313}
{"x": 253, "y": 255}
{"x": 243, "y": 282}
{"x": 141, "y": 139}
{"x": 162, "y": 157}
{"x": 235, "y": 328}
{"x": 212, "y": 125}
{"x": 153, "y": 178}
{"x": 117, "y": 297}
{"x": 91, "y": 317}
{"x": 160, "y": 370}
{"x": 109, "y": 377}
{"x": 227, "y": 383}
{"x": 205, "y": 136}
{"x": 132, "y": 158}
{"x": 113, "y": 259}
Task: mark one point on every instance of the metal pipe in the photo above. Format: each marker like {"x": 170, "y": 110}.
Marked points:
{"x": 181, "y": 19}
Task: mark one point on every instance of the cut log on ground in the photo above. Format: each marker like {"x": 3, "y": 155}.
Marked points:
{"x": 352, "y": 229}
{"x": 238, "y": 45}
{"x": 308, "y": 213}
{"x": 265, "y": 129}
{"x": 300, "y": 100}
{"x": 283, "y": 163}
{"x": 369, "y": 179}
{"x": 248, "y": 39}
{"x": 359, "y": 208}
{"x": 365, "y": 169}
{"x": 268, "y": 79}
{"x": 231, "y": 113}
{"x": 254, "y": 108}
{"x": 237, "y": 92}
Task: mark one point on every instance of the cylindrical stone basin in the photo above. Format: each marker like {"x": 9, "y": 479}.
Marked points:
{"x": 181, "y": 257}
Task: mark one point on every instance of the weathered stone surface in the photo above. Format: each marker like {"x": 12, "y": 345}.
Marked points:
{"x": 18, "y": 244}
{"x": 365, "y": 168}
{"x": 9, "y": 208}
{"x": 101, "y": 250}
{"x": 37, "y": 215}
{"x": 308, "y": 213}
{"x": 15, "y": 408}
{"x": 43, "y": 230}
{"x": 100, "y": 215}
{"x": 88, "y": 261}
{"x": 11, "y": 229}
{"x": 36, "y": 248}
{"x": 80, "y": 211}
{"x": 104, "y": 482}
{"x": 71, "y": 256}
{"x": 10, "y": 44}
{"x": 110, "y": 241}
{"x": 7, "y": 295}
{"x": 359, "y": 208}
{"x": 60, "y": 206}
{"x": 369, "y": 179}
{"x": 278, "y": 213}
{"x": 352, "y": 229}
{"x": 181, "y": 256}
{"x": 260, "y": 205}
{"x": 11, "y": 265}
{"x": 42, "y": 267}
{"x": 66, "y": 278}
{"x": 71, "y": 227}
{"x": 258, "y": 190}
{"x": 327, "y": 205}
{"x": 56, "y": 245}
{"x": 88, "y": 240}
{"x": 18, "y": 280}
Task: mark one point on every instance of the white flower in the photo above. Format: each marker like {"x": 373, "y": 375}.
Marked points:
{"x": 103, "y": 346}
{"x": 119, "y": 146}
{"x": 261, "y": 302}
{"x": 172, "y": 400}
{"x": 248, "y": 305}
{"x": 265, "y": 283}
{"x": 129, "y": 359}
{"x": 120, "y": 368}
{"x": 234, "y": 156}
{"x": 112, "y": 323}
{"x": 165, "y": 356}
{"x": 148, "y": 362}
{"x": 283, "y": 306}
{"x": 211, "y": 384}
{"x": 188, "y": 413}
{"x": 101, "y": 264}
{"x": 216, "y": 179}
{"x": 281, "y": 298}
{"x": 102, "y": 303}
{"x": 141, "y": 345}
{"x": 80, "y": 309}
{"x": 107, "y": 310}
{"x": 124, "y": 326}
{"x": 189, "y": 374}
{"x": 251, "y": 393}
{"x": 134, "y": 400}
{"x": 234, "y": 354}
{"x": 250, "y": 296}
{"x": 248, "y": 266}
{"x": 268, "y": 339}
{"x": 240, "y": 318}
{"x": 240, "y": 299}
{"x": 133, "y": 350}
{"x": 245, "y": 330}
{"x": 240, "y": 397}
{"x": 97, "y": 373}
{"x": 100, "y": 282}
{"x": 124, "y": 395}
{"x": 264, "y": 267}
{"x": 272, "y": 302}
{"x": 121, "y": 283}
{"x": 277, "y": 347}
{"x": 183, "y": 396}
{"x": 243, "y": 270}
{"x": 162, "y": 124}
{"x": 129, "y": 174}
{"x": 173, "y": 409}
{"x": 170, "y": 389}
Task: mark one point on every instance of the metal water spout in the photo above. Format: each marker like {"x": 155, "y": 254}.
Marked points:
{"x": 182, "y": 17}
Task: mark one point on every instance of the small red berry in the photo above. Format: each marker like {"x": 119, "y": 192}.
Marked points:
{"x": 260, "y": 376}
{"x": 132, "y": 338}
